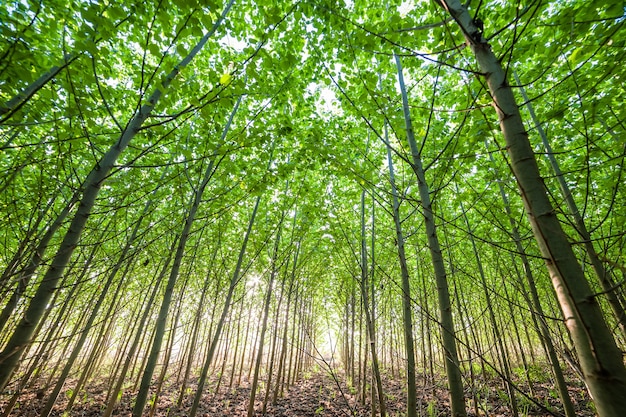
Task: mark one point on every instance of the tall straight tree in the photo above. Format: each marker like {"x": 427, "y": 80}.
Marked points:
{"x": 369, "y": 319}
{"x": 35, "y": 260}
{"x": 116, "y": 387}
{"x": 142, "y": 396}
{"x": 22, "y": 335}
{"x": 406, "y": 292}
{"x": 497, "y": 333}
{"x": 266, "y": 310}
{"x": 227, "y": 302}
{"x": 540, "y": 322}
{"x": 457, "y": 400}
{"x": 600, "y": 359}
{"x": 604, "y": 276}
{"x": 98, "y": 304}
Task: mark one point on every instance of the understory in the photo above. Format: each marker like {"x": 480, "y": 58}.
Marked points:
{"x": 316, "y": 393}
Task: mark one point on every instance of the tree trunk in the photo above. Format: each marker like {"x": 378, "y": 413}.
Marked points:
{"x": 35, "y": 261}
{"x": 369, "y": 322}
{"x": 503, "y": 354}
{"x": 601, "y": 361}
{"x": 142, "y": 396}
{"x": 22, "y": 336}
{"x": 266, "y": 310}
{"x": 604, "y": 277}
{"x": 453, "y": 372}
{"x": 196, "y": 327}
{"x": 220, "y": 324}
{"x": 11, "y": 106}
{"x": 113, "y": 395}
{"x": 406, "y": 295}
{"x": 539, "y": 317}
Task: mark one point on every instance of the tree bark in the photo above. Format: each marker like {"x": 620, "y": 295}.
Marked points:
{"x": 369, "y": 322}
{"x": 137, "y": 340}
{"x": 601, "y": 361}
{"x": 10, "y": 356}
{"x": 500, "y": 351}
{"x": 142, "y": 396}
{"x": 406, "y": 295}
{"x": 457, "y": 400}
{"x": 539, "y": 318}
{"x": 604, "y": 277}
{"x": 266, "y": 310}
{"x": 220, "y": 324}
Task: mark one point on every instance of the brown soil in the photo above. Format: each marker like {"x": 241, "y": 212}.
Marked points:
{"x": 314, "y": 395}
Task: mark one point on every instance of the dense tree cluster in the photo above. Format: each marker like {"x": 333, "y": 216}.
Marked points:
{"x": 235, "y": 193}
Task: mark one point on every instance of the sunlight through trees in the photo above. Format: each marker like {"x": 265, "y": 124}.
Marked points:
{"x": 312, "y": 208}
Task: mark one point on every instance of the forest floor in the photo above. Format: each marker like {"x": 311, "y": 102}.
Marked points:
{"x": 317, "y": 394}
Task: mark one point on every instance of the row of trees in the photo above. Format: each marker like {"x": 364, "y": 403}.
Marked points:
{"x": 207, "y": 191}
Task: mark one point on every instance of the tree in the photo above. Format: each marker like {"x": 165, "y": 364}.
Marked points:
{"x": 139, "y": 224}
{"x": 22, "y": 335}
{"x": 445, "y": 309}
{"x": 600, "y": 358}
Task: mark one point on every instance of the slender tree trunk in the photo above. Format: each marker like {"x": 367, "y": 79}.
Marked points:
{"x": 22, "y": 336}
{"x": 140, "y": 332}
{"x": 601, "y": 361}
{"x": 280, "y": 377}
{"x": 370, "y": 282}
{"x": 363, "y": 354}
{"x": 425, "y": 316}
{"x": 406, "y": 294}
{"x": 35, "y": 261}
{"x": 196, "y": 327}
{"x": 468, "y": 348}
{"x": 94, "y": 313}
{"x": 266, "y": 310}
{"x": 457, "y": 399}
{"x": 238, "y": 343}
{"x": 166, "y": 360}
{"x": 492, "y": 316}
{"x": 369, "y": 323}
{"x": 292, "y": 345}
{"x": 142, "y": 396}
{"x": 539, "y": 317}
{"x": 224, "y": 348}
{"x": 518, "y": 339}
{"x": 351, "y": 331}
{"x": 604, "y": 277}
{"x": 11, "y": 106}
{"x": 220, "y": 324}
{"x": 253, "y": 348}
{"x": 245, "y": 343}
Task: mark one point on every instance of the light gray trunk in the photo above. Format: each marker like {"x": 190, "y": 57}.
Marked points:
{"x": 604, "y": 277}
{"x": 406, "y": 295}
{"x": 10, "y": 356}
{"x": 94, "y": 313}
{"x": 600, "y": 359}
{"x": 534, "y": 302}
{"x": 457, "y": 398}
{"x": 266, "y": 310}
{"x": 369, "y": 322}
{"x": 142, "y": 396}
{"x": 220, "y": 324}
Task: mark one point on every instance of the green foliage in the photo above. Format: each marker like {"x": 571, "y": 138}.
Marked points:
{"x": 431, "y": 409}
{"x": 536, "y": 372}
{"x": 319, "y": 90}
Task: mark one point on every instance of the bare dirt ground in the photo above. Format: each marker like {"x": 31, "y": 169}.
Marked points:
{"x": 314, "y": 395}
